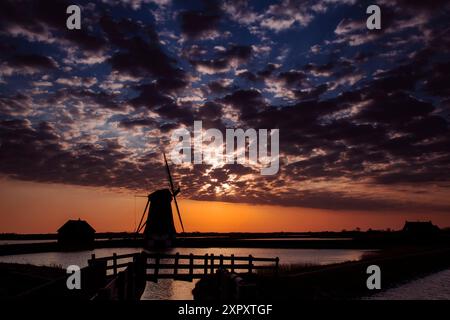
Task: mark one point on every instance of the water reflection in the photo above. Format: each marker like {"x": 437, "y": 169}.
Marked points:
{"x": 64, "y": 259}
{"x": 5, "y": 242}
{"x": 166, "y": 289}
{"x": 432, "y": 287}
{"x": 174, "y": 290}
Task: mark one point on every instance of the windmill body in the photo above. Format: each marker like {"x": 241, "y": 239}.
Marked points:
{"x": 159, "y": 229}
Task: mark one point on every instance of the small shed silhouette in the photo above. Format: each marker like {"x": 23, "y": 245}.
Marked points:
{"x": 420, "y": 228}
{"x": 75, "y": 234}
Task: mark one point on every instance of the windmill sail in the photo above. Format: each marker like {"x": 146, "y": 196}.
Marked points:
{"x": 174, "y": 192}
{"x": 139, "y": 227}
{"x": 159, "y": 227}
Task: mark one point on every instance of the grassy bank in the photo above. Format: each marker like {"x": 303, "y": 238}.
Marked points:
{"x": 348, "y": 280}
{"x": 18, "y": 279}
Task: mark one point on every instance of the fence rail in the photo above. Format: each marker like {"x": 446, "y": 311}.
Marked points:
{"x": 130, "y": 272}
{"x": 178, "y": 264}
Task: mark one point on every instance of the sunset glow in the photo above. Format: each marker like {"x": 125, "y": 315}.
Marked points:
{"x": 359, "y": 116}
{"x": 43, "y": 208}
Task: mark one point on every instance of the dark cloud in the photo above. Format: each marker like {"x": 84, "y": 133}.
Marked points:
{"x": 398, "y": 107}
{"x": 412, "y": 175}
{"x": 260, "y": 75}
{"x": 292, "y": 77}
{"x": 36, "y": 154}
{"x": 247, "y": 102}
{"x": 235, "y": 54}
{"x": 210, "y": 110}
{"x": 46, "y": 21}
{"x": 437, "y": 85}
{"x": 338, "y": 67}
{"x": 248, "y": 75}
{"x": 219, "y": 86}
{"x": 134, "y": 60}
{"x": 118, "y": 31}
{"x": 157, "y": 93}
{"x": 177, "y": 112}
{"x": 33, "y": 61}
{"x": 312, "y": 93}
{"x": 130, "y": 123}
{"x": 239, "y": 52}
{"x": 16, "y": 104}
{"x": 367, "y": 110}
{"x": 89, "y": 97}
{"x": 420, "y": 5}
{"x": 198, "y": 24}
{"x": 150, "y": 96}
{"x": 27, "y": 64}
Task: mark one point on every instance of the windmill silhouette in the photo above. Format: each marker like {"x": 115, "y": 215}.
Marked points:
{"x": 159, "y": 227}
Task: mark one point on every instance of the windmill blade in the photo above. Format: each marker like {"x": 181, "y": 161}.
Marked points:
{"x": 142, "y": 227}
{"x": 178, "y": 211}
{"x": 168, "y": 174}
{"x": 174, "y": 192}
{"x": 142, "y": 218}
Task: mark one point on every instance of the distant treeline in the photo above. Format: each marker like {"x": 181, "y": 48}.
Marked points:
{"x": 54, "y": 236}
{"x": 115, "y": 235}
{"x": 233, "y": 235}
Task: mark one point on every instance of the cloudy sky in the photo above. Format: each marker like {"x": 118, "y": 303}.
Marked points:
{"x": 363, "y": 115}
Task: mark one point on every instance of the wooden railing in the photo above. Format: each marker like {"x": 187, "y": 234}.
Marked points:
{"x": 123, "y": 277}
{"x": 127, "y": 281}
{"x": 186, "y": 267}
{"x": 115, "y": 262}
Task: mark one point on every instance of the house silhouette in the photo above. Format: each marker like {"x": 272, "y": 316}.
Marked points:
{"x": 420, "y": 228}
{"x": 76, "y": 234}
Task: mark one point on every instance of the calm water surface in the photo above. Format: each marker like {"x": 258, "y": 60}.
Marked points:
{"x": 3, "y": 242}
{"x": 169, "y": 289}
{"x": 432, "y": 287}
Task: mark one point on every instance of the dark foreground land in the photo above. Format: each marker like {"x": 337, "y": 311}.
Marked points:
{"x": 341, "y": 281}
{"x": 401, "y": 257}
{"x": 331, "y": 282}
{"x": 18, "y": 280}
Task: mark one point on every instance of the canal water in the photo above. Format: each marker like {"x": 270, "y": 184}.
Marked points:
{"x": 432, "y": 287}
{"x": 167, "y": 289}
{"x": 5, "y": 242}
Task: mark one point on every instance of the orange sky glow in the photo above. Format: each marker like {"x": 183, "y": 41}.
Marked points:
{"x": 27, "y": 207}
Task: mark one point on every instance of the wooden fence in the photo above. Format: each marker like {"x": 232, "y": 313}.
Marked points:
{"x": 186, "y": 267}
{"x": 124, "y": 276}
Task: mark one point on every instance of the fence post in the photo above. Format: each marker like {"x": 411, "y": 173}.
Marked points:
{"x": 115, "y": 264}
{"x": 191, "y": 264}
{"x": 121, "y": 285}
{"x": 130, "y": 293}
{"x": 175, "y": 269}
{"x": 104, "y": 294}
{"x": 250, "y": 263}
{"x": 212, "y": 263}
{"x": 221, "y": 262}
{"x": 94, "y": 277}
{"x": 92, "y": 260}
{"x": 140, "y": 272}
{"x": 277, "y": 261}
{"x": 206, "y": 264}
{"x": 232, "y": 263}
{"x": 156, "y": 271}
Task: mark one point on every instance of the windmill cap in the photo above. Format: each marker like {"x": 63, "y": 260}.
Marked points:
{"x": 161, "y": 194}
